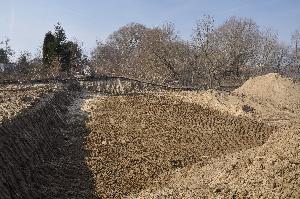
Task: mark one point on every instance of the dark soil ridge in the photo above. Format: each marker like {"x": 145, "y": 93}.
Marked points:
{"x": 37, "y": 158}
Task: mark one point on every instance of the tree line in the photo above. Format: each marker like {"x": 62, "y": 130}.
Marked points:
{"x": 215, "y": 56}
{"x": 59, "y": 57}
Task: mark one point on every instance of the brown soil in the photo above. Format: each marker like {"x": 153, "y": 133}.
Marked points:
{"x": 268, "y": 171}
{"x": 244, "y": 144}
{"x": 15, "y": 98}
{"x": 274, "y": 88}
{"x": 135, "y": 140}
{"x": 42, "y": 153}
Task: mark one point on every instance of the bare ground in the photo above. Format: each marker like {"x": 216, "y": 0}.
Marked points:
{"x": 244, "y": 144}
{"x": 138, "y": 142}
{"x": 268, "y": 171}
{"x": 15, "y": 98}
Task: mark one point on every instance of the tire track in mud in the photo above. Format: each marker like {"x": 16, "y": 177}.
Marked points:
{"x": 42, "y": 154}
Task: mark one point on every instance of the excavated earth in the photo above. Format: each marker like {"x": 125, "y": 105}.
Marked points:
{"x": 14, "y": 98}
{"x": 41, "y": 148}
{"x": 64, "y": 142}
{"x": 271, "y": 170}
{"x": 139, "y": 141}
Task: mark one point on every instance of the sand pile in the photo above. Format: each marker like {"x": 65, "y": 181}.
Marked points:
{"x": 219, "y": 101}
{"x": 136, "y": 141}
{"x": 280, "y": 107}
{"x": 273, "y": 88}
{"x": 268, "y": 171}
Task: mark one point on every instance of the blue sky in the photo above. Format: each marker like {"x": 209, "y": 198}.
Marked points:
{"x": 25, "y": 22}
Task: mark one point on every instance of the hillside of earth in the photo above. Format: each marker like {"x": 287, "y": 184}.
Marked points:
{"x": 271, "y": 170}
{"x": 83, "y": 141}
{"x": 14, "y": 98}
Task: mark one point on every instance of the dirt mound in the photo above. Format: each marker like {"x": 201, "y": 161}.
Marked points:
{"x": 273, "y": 88}
{"x": 155, "y": 145}
{"x": 137, "y": 141}
{"x": 242, "y": 106}
{"x": 14, "y": 98}
{"x": 268, "y": 171}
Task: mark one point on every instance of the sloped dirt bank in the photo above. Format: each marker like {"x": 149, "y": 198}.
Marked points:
{"x": 273, "y": 88}
{"x": 271, "y": 170}
{"x": 14, "y": 98}
{"x": 41, "y": 152}
{"x": 138, "y": 141}
{"x": 154, "y": 145}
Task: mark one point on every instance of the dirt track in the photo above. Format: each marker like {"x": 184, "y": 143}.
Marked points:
{"x": 14, "y": 98}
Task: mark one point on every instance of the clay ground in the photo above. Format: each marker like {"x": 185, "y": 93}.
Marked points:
{"x": 135, "y": 140}
{"x": 209, "y": 144}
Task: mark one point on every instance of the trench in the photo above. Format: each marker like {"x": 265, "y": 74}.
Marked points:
{"x": 42, "y": 152}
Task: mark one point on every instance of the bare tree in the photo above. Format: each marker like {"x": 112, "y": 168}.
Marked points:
{"x": 153, "y": 54}
{"x": 162, "y": 53}
{"x": 296, "y": 40}
{"x": 237, "y": 44}
{"x": 266, "y": 54}
{"x": 215, "y": 54}
{"x": 239, "y": 40}
{"x": 271, "y": 55}
{"x": 296, "y": 43}
{"x": 207, "y": 58}
{"x": 114, "y": 56}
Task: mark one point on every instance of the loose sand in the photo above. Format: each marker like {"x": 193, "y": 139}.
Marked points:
{"x": 268, "y": 171}
{"x": 244, "y": 144}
